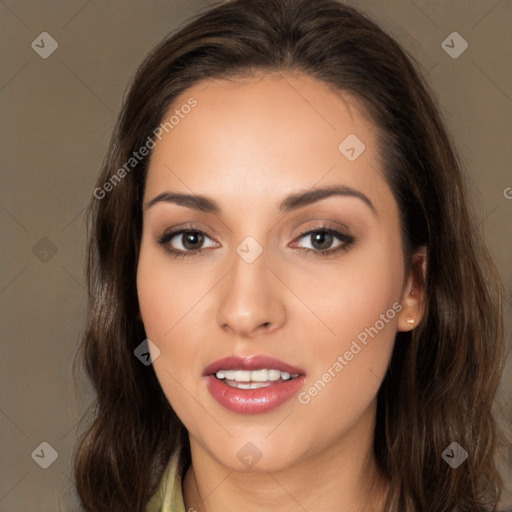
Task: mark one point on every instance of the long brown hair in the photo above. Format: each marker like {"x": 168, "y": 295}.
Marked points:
{"x": 443, "y": 377}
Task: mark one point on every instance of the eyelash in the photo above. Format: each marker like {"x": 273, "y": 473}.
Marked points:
{"x": 176, "y": 253}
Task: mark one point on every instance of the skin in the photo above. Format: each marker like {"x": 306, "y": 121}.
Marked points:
{"x": 247, "y": 144}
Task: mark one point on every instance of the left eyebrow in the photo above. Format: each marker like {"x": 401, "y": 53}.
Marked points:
{"x": 300, "y": 199}
{"x": 290, "y": 202}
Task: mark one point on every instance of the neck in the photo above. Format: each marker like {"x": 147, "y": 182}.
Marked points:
{"x": 343, "y": 477}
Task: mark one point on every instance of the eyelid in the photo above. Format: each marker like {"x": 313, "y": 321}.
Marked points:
{"x": 342, "y": 229}
{"x": 193, "y": 227}
{"x": 345, "y": 241}
{"x": 344, "y": 238}
{"x": 168, "y": 235}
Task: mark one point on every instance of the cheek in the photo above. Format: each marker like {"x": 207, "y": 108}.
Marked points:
{"x": 360, "y": 305}
{"x": 353, "y": 294}
{"x": 170, "y": 304}
{"x": 166, "y": 293}
{"x": 164, "y": 302}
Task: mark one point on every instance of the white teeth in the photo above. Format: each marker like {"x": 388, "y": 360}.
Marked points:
{"x": 254, "y": 376}
{"x": 259, "y": 375}
{"x": 242, "y": 376}
{"x": 274, "y": 375}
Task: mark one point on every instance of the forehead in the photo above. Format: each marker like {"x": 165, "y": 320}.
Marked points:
{"x": 263, "y": 135}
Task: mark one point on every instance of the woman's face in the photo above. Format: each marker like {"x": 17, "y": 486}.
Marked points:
{"x": 252, "y": 148}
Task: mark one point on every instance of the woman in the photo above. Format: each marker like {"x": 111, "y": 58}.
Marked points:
{"x": 281, "y": 228}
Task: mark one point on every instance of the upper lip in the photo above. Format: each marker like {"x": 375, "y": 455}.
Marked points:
{"x": 255, "y": 362}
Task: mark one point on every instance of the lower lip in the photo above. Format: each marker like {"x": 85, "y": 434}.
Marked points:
{"x": 253, "y": 401}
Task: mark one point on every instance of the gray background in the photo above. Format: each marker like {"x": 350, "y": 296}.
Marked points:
{"x": 57, "y": 115}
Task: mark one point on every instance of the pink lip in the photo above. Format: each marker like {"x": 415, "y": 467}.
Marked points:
{"x": 252, "y": 401}
{"x": 251, "y": 363}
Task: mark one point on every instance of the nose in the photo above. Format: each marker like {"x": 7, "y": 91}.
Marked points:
{"x": 251, "y": 299}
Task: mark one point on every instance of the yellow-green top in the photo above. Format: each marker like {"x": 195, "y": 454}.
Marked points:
{"x": 168, "y": 497}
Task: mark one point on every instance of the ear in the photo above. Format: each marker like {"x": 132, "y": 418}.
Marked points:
{"x": 414, "y": 294}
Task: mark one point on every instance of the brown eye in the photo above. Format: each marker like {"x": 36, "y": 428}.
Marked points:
{"x": 192, "y": 239}
{"x": 184, "y": 242}
{"x": 322, "y": 239}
